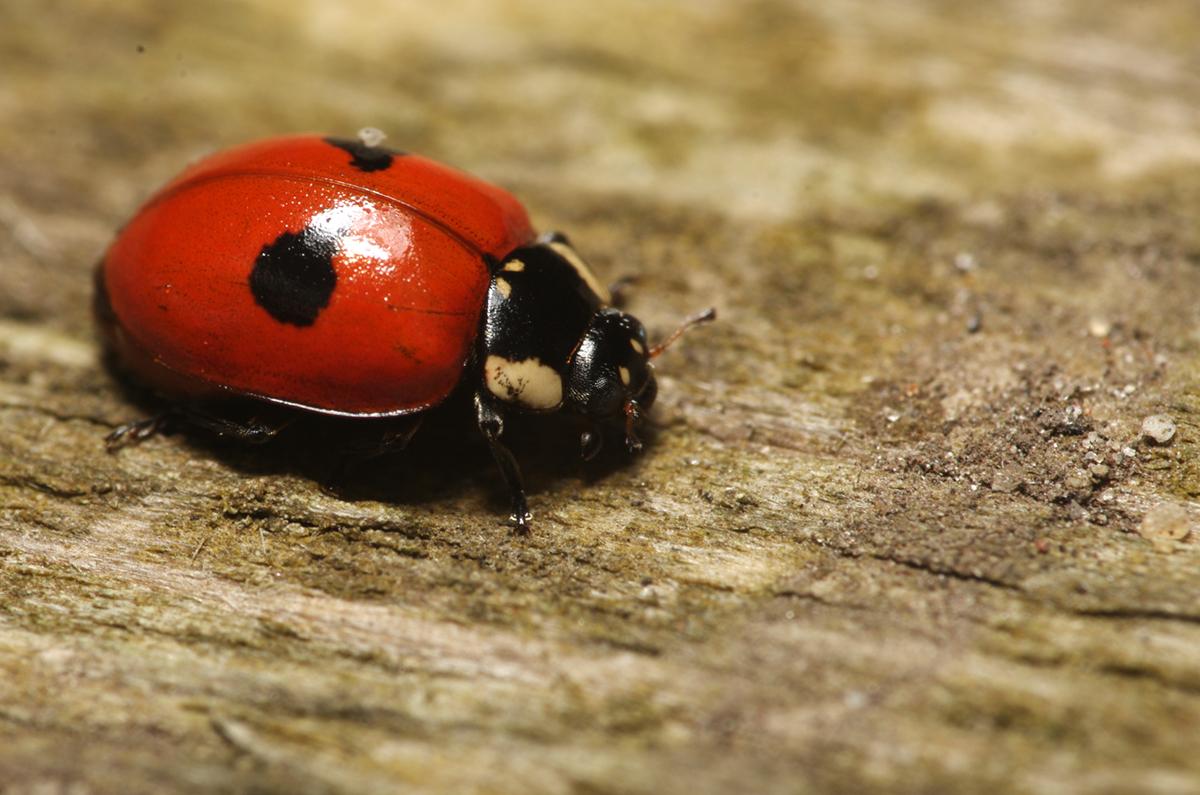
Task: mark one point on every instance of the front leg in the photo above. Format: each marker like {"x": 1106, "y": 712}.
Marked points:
{"x": 491, "y": 425}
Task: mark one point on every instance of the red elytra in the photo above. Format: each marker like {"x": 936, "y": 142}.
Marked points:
{"x": 410, "y": 266}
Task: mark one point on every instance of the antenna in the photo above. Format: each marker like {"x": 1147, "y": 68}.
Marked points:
{"x": 693, "y": 320}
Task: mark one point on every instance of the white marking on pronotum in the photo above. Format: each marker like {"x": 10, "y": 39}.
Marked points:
{"x": 527, "y": 381}
{"x": 504, "y": 287}
{"x": 624, "y": 373}
{"x": 514, "y": 265}
{"x": 637, "y": 346}
{"x": 585, "y": 273}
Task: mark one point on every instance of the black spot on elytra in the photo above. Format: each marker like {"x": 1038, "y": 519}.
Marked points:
{"x": 363, "y": 157}
{"x": 293, "y": 277}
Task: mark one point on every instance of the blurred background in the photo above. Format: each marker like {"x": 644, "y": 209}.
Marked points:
{"x": 759, "y": 111}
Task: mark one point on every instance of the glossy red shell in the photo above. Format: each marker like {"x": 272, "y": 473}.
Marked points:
{"x": 411, "y": 278}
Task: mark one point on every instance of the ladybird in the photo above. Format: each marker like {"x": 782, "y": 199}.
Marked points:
{"x": 341, "y": 277}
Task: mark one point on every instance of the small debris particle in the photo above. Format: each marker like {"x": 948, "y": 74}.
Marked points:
{"x": 1099, "y": 471}
{"x": 1071, "y": 421}
{"x": 1078, "y": 482}
{"x": 371, "y": 136}
{"x": 974, "y": 323}
{"x": 965, "y": 262}
{"x": 1042, "y": 545}
{"x": 1006, "y": 481}
{"x": 1158, "y": 427}
{"x": 1099, "y": 327}
{"x": 1165, "y": 523}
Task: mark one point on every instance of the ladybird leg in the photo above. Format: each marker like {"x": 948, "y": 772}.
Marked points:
{"x": 392, "y": 440}
{"x": 138, "y": 431}
{"x": 397, "y": 437}
{"x": 619, "y": 290}
{"x": 633, "y": 414}
{"x": 491, "y": 425}
{"x": 590, "y": 443}
{"x": 251, "y": 430}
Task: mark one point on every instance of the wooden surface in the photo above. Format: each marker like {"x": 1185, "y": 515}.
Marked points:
{"x": 890, "y": 535}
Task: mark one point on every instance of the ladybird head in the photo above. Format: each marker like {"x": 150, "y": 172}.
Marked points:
{"x": 551, "y": 341}
{"x": 611, "y": 377}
